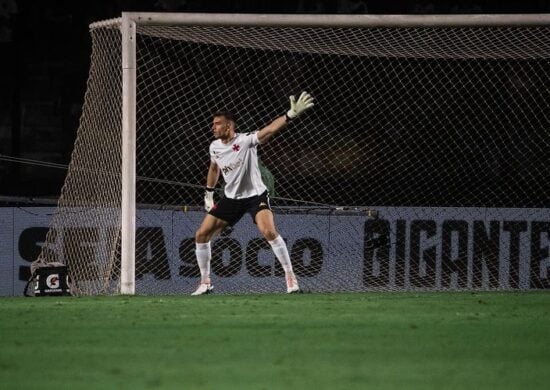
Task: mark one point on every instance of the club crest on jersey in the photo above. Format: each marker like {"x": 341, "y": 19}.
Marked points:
{"x": 236, "y": 147}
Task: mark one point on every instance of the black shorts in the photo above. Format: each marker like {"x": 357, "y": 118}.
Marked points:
{"x": 232, "y": 210}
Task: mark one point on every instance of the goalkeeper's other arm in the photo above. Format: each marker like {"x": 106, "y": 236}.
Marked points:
{"x": 297, "y": 107}
{"x": 211, "y": 180}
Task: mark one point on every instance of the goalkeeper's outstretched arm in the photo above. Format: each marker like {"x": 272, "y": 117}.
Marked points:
{"x": 304, "y": 102}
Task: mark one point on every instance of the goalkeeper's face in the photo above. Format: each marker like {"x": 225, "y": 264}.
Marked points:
{"x": 223, "y": 128}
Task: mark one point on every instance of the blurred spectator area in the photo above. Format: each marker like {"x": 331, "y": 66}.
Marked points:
{"x": 44, "y": 64}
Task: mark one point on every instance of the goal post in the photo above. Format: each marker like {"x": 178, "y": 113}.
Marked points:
{"x": 128, "y": 228}
{"x": 422, "y": 165}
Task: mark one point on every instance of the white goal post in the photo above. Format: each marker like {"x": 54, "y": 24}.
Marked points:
{"x": 399, "y": 62}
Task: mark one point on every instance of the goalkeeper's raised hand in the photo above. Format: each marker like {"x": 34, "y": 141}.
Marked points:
{"x": 208, "y": 199}
{"x": 304, "y": 102}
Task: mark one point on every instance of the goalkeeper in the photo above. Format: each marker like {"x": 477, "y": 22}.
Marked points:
{"x": 235, "y": 156}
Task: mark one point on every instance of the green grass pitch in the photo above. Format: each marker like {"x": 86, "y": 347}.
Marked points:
{"x": 309, "y": 341}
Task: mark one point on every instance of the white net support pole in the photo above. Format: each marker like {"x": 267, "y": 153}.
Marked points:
{"x": 128, "y": 229}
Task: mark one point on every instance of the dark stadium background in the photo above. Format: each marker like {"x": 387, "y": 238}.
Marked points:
{"x": 44, "y": 60}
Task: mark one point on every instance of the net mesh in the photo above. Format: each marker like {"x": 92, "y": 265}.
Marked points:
{"x": 442, "y": 131}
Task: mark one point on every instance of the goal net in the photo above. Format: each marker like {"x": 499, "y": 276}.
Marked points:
{"x": 442, "y": 131}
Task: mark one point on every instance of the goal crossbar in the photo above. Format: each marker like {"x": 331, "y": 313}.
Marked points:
{"x": 325, "y": 20}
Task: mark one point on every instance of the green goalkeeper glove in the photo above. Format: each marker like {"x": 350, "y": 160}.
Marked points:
{"x": 304, "y": 102}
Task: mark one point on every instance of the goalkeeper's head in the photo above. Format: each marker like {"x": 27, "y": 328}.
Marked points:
{"x": 223, "y": 125}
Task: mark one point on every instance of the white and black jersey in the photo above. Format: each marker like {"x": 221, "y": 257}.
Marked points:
{"x": 238, "y": 162}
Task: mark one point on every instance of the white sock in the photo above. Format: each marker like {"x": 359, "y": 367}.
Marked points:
{"x": 204, "y": 254}
{"x": 281, "y": 252}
